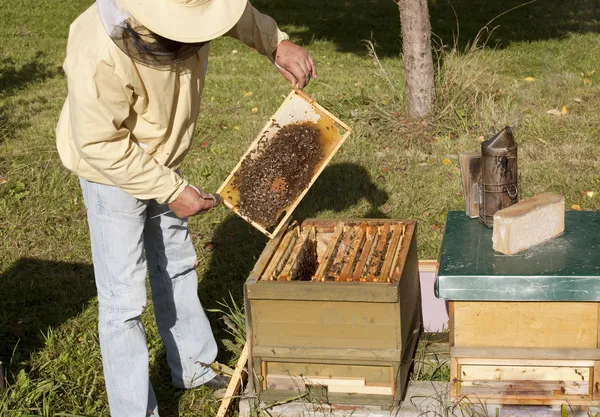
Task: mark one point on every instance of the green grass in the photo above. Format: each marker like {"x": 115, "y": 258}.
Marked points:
{"x": 389, "y": 167}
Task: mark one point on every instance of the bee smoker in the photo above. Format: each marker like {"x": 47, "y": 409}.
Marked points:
{"x": 498, "y": 182}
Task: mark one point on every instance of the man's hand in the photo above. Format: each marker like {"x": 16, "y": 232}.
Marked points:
{"x": 295, "y": 63}
{"x": 193, "y": 201}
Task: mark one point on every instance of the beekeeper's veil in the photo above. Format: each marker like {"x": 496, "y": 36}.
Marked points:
{"x": 160, "y": 33}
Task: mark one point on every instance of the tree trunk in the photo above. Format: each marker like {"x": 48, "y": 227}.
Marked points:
{"x": 417, "y": 57}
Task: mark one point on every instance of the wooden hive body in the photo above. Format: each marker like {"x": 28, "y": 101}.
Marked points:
{"x": 344, "y": 342}
{"x": 524, "y": 329}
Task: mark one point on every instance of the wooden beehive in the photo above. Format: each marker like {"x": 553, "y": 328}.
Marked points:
{"x": 297, "y": 108}
{"x": 524, "y": 329}
{"x": 347, "y": 332}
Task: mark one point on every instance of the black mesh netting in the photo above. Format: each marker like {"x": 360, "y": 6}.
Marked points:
{"x": 148, "y": 48}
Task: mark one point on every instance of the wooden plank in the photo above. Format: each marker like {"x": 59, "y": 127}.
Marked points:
{"x": 342, "y": 250}
{"x": 366, "y": 252}
{"x": 454, "y": 378}
{"x": 287, "y": 382}
{"x": 377, "y": 375}
{"x": 516, "y": 373}
{"x": 335, "y": 398}
{"x": 285, "y": 257}
{"x": 355, "y": 249}
{"x": 409, "y": 306}
{"x": 347, "y": 354}
{"x": 428, "y": 265}
{"x": 596, "y": 381}
{"x": 578, "y": 363}
{"x": 324, "y": 291}
{"x": 324, "y": 262}
{"x": 293, "y": 257}
{"x": 270, "y": 270}
{"x": 525, "y": 353}
{"x": 557, "y": 399}
{"x": 525, "y": 387}
{"x": 391, "y": 253}
{"x": 234, "y": 383}
{"x": 525, "y": 324}
{"x": 406, "y": 241}
{"x": 377, "y": 258}
{"x": 263, "y": 261}
{"x": 337, "y": 381}
{"x": 451, "y": 323}
{"x": 264, "y": 373}
{"x": 319, "y": 324}
{"x": 368, "y": 389}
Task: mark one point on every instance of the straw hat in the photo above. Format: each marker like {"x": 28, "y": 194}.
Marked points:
{"x": 187, "y": 20}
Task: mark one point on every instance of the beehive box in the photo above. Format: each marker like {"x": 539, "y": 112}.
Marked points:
{"x": 524, "y": 329}
{"x": 347, "y": 332}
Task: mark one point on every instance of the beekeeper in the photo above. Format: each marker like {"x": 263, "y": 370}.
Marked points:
{"x": 135, "y": 76}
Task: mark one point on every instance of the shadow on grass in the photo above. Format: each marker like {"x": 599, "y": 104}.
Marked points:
{"x": 348, "y": 23}
{"x": 36, "y": 295}
{"x": 14, "y": 77}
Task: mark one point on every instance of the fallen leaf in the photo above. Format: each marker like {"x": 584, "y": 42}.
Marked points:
{"x": 446, "y": 161}
{"x": 590, "y": 194}
{"x": 577, "y": 100}
{"x": 236, "y": 127}
{"x": 436, "y": 227}
{"x": 3, "y": 180}
{"x": 554, "y": 112}
{"x": 205, "y": 144}
{"x": 576, "y": 207}
{"x": 426, "y": 214}
{"x": 564, "y": 110}
{"x": 223, "y": 126}
{"x": 587, "y": 81}
{"x": 385, "y": 170}
{"x": 437, "y": 139}
{"x": 254, "y": 109}
{"x": 248, "y": 94}
{"x": 210, "y": 246}
{"x": 234, "y": 51}
{"x": 530, "y": 79}
{"x": 480, "y": 138}
{"x": 380, "y": 178}
{"x": 592, "y": 72}
{"x": 386, "y": 208}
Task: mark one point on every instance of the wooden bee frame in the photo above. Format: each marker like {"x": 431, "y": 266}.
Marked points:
{"x": 296, "y": 108}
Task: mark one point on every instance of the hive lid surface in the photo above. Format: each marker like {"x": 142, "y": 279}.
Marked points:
{"x": 566, "y": 268}
{"x": 297, "y": 109}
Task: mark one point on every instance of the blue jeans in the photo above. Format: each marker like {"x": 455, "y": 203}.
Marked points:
{"x": 129, "y": 236}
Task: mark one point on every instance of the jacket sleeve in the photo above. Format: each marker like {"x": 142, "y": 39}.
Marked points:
{"x": 99, "y": 103}
{"x": 258, "y": 31}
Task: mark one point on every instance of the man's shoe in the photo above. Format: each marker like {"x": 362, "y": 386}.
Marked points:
{"x": 218, "y": 382}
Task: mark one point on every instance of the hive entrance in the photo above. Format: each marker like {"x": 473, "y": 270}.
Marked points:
{"x": 341, "y": 252}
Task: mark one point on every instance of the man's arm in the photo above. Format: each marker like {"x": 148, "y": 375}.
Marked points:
{"x": 260, "y": 32}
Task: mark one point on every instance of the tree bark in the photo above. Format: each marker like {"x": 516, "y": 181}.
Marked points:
{"x": 417, "y": 57}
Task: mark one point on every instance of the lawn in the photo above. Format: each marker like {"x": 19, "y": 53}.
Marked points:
{"x": 538, "y": 57}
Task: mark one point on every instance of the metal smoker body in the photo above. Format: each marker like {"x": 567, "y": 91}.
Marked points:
{"x": 498, "y": 183}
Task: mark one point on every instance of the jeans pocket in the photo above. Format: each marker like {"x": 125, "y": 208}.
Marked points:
{"x": 113, "y": 202}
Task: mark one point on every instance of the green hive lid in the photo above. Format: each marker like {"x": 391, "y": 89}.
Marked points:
{"x": 566, "y": 268}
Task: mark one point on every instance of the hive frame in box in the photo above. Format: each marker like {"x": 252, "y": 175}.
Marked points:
{"x": 395, "y": 306}
{"x": 265, "y": 132}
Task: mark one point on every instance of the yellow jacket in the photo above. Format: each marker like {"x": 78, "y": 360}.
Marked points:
{"x": 129, "y": 125}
